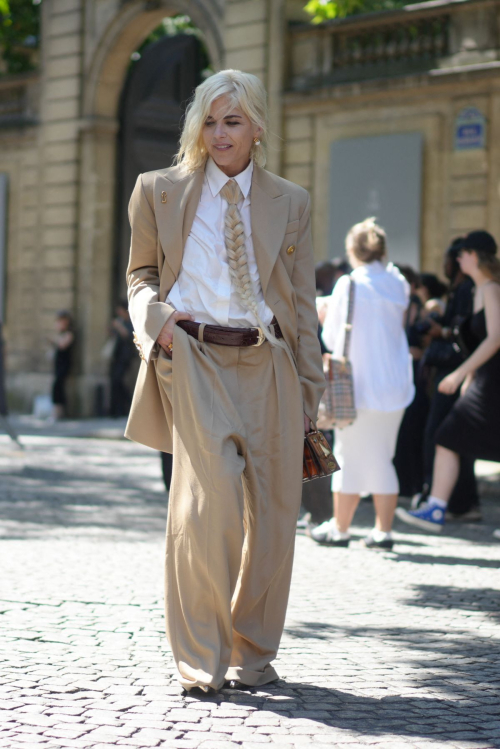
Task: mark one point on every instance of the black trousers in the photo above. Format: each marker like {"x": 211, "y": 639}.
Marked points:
{"x": 121, "y": 398}
{"x": 465, "y": 494}
{"x": 409, "y": 457}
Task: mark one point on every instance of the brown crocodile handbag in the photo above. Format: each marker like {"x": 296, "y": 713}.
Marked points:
{"x": 318, "y": 457}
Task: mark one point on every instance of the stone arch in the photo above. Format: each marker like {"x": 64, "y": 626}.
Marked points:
{"x": 126, "y": 32}
{"x": 102, "y": 87}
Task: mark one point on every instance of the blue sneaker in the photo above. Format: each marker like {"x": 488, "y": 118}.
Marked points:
{"x": 430, "y": 518}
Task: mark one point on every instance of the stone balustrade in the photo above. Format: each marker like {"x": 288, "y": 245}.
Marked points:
{"x": 417, "y": 38}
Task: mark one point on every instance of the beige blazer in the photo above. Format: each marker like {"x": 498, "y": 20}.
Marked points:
{"x": 162, "y": 209}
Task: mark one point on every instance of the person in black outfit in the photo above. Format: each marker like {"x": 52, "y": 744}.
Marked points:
{"x": 408, "y": 459}
{"x": 471, "y": 428}
{"x": 327, "y": 274}
{"x": 316, "y": 495}
{"x": 63, "y": 349}
{"x": 445, "y": 356}
{"x": 123, "y": 353}
{"x": 430, "y": 289}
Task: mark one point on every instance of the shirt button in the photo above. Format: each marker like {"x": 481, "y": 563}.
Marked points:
{"x": 291, "y": 249}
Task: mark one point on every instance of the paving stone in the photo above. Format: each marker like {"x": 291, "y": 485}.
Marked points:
{"x": 186, "y": 716}
{"x": 390, "y": 651}
{"x": 152, "y": 737}
{"x": 64, "y": 733}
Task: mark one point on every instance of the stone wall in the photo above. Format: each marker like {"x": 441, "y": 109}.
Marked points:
{"x": 460, "y": 190}
{"x": 61, "y": 162}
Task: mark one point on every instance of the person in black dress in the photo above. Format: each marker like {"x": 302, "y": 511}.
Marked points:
{"x": 471, "y": 428}
{"x": 63, "y": 348}
{"x": 444, "y": 357}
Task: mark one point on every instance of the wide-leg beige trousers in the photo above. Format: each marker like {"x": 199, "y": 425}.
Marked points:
{"x": 234, "y": 499}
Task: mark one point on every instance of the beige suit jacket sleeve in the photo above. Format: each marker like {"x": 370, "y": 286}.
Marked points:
{"x": 309, "y": 360}
{"x": 147, "y": 312}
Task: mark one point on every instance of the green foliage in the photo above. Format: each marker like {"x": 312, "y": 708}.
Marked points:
{"x": 326, "y": 10}
{"x": 19, "y": 34}
{"x": 171, "y": 26}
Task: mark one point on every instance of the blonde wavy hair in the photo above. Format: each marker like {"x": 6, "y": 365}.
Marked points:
{"x": 367, "y": 241}
{"x": 243, "y": 90}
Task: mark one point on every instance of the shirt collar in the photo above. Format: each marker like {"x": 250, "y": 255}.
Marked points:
{"x": 217, "y": 179}
{"x": 369, "y": 269}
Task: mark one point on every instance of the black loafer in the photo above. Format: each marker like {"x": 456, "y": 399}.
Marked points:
{"x": 198, "y": 692}
{"x": 235, "y": 684}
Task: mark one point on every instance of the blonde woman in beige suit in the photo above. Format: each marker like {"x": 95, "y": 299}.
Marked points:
{"x": 222, "y": 298}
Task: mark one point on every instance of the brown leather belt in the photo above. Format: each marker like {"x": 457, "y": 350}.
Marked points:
{"x": 228, "y": 336}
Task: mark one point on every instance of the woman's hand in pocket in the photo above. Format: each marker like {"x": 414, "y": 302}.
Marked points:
{"x": 166, "y": 335}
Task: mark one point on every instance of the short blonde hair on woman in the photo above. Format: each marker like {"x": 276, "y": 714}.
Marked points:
{"x": 366, "y": 241}
{"x": 243, "y": 90}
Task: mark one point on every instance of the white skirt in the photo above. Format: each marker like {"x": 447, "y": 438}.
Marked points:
{"x": 365, "y": 450}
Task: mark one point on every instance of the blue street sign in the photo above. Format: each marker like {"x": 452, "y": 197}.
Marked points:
{"x": 470, "y": 130}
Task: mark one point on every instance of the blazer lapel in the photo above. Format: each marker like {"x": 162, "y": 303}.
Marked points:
{"x": 269, "y": 216}
{"x": 176, "y": 198}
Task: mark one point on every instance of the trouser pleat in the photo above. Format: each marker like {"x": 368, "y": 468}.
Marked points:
{"x": 234, "y": 500}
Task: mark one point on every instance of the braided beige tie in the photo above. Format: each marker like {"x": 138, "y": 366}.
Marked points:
{"x": 234, "y": 232}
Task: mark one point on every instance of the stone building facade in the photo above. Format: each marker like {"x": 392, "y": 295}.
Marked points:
{"x": 363, "y": 77}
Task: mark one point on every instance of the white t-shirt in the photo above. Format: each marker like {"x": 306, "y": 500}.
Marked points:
{"x": 204, "y": 287}
{"x": 379, "y": 353}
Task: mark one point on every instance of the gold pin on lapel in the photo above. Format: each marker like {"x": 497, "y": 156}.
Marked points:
{"x": 291, "y": 249}
{"x": 164, "y": 197}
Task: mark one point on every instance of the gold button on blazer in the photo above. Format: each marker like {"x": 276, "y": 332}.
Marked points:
{"x": 162, "y": 209}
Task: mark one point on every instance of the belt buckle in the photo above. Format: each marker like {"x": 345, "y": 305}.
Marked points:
{"x": 261, "y": 338}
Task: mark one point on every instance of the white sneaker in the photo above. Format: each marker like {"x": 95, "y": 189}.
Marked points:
{"x": 327, "y": 534}
{"x": 496, "y": 533}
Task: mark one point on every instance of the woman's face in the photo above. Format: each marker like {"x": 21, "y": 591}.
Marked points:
{"x": 61, "y": 324}
{"x": 468, "y": 261}
{"x": 228, "y": 137}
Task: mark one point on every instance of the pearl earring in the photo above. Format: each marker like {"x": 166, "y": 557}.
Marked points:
{"x": 256, "y": 141}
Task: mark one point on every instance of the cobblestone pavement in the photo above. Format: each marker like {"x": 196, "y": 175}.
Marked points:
{"x": 389, "y": 650}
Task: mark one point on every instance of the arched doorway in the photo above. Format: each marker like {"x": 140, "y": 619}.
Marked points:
{"x": 99, "y": 249}
{"x": 154, "y": 98}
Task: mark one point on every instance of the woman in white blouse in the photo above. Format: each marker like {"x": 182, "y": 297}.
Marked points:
{"x": 383, "y": 385}
{"x": 222, "y": 299}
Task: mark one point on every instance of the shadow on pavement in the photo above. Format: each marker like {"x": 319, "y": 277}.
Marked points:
{"x": 78, "y": 487}
{"x": 483, "y": 600}
{"x": 436, "y": 559}
{"x": 462, "y": 667}
{"x": 426, "y": 717}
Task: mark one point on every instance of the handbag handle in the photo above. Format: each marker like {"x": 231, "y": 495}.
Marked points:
{"x": 348, "y": 324}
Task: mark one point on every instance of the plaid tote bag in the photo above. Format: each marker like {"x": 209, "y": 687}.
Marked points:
{"x": 337, "y": 408}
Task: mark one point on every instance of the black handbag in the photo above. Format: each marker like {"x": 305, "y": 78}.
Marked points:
{"x": 443, "y": 355}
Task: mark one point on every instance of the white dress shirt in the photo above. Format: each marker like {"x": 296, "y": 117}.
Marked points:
{"x": 381, "y": 362}
{"x": 203, "y": 287}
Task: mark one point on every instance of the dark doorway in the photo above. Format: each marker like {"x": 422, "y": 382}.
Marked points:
{"x": 153, "y": 102}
